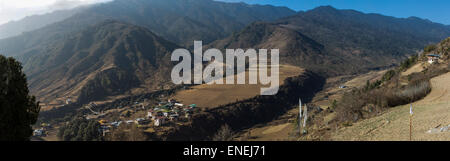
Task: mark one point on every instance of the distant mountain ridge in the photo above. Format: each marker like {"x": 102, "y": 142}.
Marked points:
{"x": 30, "y": 23}
{"x": 344, "y": 41}
{"x": 295, "y": 48}
{"x": 183, "y": 21}
{"x": 179, "y": 21}
{"x": 413, "y": 25}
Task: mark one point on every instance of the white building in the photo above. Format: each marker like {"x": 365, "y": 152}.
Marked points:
{"x": 432, "y": 58}
{"x": 139, "y": 121}
{"x": 149, "y": 114}
{"x": 160, "y": 121}
{"x": 68, "y": 101}
{"x": 38, "y": 132}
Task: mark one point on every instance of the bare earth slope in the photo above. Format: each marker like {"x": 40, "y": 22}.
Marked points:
{"x": 431, "y": 112}
{"x": 414, "y": 69}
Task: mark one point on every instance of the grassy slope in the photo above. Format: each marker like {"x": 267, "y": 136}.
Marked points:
{"x": 429, "y": 112}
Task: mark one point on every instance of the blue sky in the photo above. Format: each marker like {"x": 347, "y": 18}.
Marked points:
{"x": 434, "y": 10}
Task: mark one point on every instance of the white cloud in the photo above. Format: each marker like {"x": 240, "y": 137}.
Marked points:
{"x": 17, "y": 9}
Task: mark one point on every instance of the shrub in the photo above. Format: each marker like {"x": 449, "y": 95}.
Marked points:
{"x": 349, "y": 108}
{"x": 388, "y": 75}
{"x": 430, "y": 48}
{"x": 224, "y": 134}
{"x": 409, "y": 94}
{"x": 408, "y": 62}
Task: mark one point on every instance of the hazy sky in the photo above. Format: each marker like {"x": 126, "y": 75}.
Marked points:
{"x": 435, "y": 10}
{"x": 17, "y": 9}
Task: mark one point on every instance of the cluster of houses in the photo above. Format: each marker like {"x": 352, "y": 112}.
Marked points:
{"x": 42, "y": 131}
{"x": 169, "y": 111}
{"x": 160, "y": 115}
{"x": 39, "y": 132}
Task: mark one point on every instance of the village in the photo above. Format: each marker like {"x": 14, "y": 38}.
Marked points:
{"x": 163, "y": 113}
{"x": 145, "y": 116}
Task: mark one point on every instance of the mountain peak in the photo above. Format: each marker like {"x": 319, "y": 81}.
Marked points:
{"x": 324, "y": 10}
{"x": 327, "y": 8}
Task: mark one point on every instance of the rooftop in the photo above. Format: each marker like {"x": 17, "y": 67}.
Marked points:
{"x": 434, "y": 55}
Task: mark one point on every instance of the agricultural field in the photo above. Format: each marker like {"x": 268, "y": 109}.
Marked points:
{"x": 219, "y": 94}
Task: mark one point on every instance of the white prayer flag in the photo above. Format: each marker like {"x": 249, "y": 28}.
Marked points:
{"x": 300, "y": 113}
{"x": 410, "y": 110}
{"x": 305, "y": 116}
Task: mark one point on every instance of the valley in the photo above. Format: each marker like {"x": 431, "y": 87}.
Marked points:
{"x": 204, "y": 97}
{"x": 103, "y": 72}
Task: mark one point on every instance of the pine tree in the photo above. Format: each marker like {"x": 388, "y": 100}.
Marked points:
{"x": 18, "y": 110}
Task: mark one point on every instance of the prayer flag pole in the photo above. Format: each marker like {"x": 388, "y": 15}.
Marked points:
{"x": 410, "y": 122}
{"x": 300, "y": 116}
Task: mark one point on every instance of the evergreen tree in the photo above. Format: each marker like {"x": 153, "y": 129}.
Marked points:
{"x": 18, "y": 110}
{"x": 80, "y": 129}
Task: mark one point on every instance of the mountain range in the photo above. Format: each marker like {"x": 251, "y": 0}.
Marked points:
{"x": 67, "y": 58}
{"x": 103, "y": 60}
{"x": 179, "y": 21}
{"x": 117, "y": 47}
{"x": 334, "y": 42}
